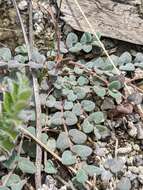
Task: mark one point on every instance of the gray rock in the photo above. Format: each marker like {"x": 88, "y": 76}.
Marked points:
{"x": 77, "y": 136}
{"x": 138, "y": 160}
{"x": 22, "y": 5}
{"x": 131, "y": 176}
{"x": 38, "y": 16}
{"x": 108, "y": 104}
{"x": 124, "y": 184}
{"x": 100, "y": 151}
{"x": 133, "y": 169}
{"x": 140, "y": 169}
{"x": 115, "y": 165}
{"x": 140, "y": 178}
{"x": 136, "y": 147}
{"x": 135, "y": 98}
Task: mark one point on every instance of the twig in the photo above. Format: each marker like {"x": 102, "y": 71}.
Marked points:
{"x": 38, "y": 161}
{"x": 35, "y": 83}
{"x": 64, "y": 125}
{"x": 38, "y": 132}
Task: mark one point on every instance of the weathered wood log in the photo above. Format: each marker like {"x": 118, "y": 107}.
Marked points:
{"x": 118, "y": 19}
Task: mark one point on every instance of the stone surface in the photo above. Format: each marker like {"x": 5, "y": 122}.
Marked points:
{"x": 115, "y": 19}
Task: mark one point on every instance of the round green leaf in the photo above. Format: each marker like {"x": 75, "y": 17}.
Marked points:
{"x": 87, "y": 48}
{"x": 77, "y": 109}
{"x": 56, "y": 119}
{"x": 70, "y": 118}
{"x": 44, "y": 138}
{"x": 77, "y": 136}
{"x": 100, "y": 91}
{"x": 51, "y": 144}
{"x": 125, "y": 58}
{"x": 81, "y": 176}
{"x": 21, "y": 58}
{"x": 71, "y": 96}
{"x": 71, "y": 39}
{"x": 80, "y": 92}
{"x": 101, "y": 132}
{"x": 115, "y": 85}
{"x": 88, "y": 105}
{"x": 68, "y": 105}
{"x": 115, "y": 94}
{"x": 138, "y": 58}
{"x": 127, "y": 67}
{"x": 86, "y": 38}
{"x": 49, "y": 167}
{"x": 82, "y": 81}
{"x": 68, "y": 158}
{"x": 5, "y": 54}
{"x": 92, "y": 170}
{"x": 32, "y": 130}
{"x": 51, "y": 101}
{"x": 18, "y": 186}
{"x": 62, "y": 141}
{"x": 13, "y": 179}
{"x": 76, "y": 48}
{"x": 21, "y": 49}
{"x": 87, "y": 127}
{"x": 82, "y": 150}
{"x": 26, "y": 166}
{"x": 96, "y": 117}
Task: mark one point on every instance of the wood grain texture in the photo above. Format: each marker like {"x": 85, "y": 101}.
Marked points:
{"x": 113, "y": 18}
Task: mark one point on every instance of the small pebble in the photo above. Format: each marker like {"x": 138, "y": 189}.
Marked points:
{"x": 23, "y": 5}
{"x": 124, "y": 184}
{"x": 132, "y": 131}
{"x": 100, "y": 151}
{"x": 131, "y": 176}
{"x": 140, "y": 178}
{"x": 115, "y": 165}
{"x": 138, "y": 160}
{"x": 139, "y": 131}
{"x": 140, "y": 169}
{"x": 38, "y": 16}
{"x": 134, "y": 169}
{"x": 125, "y": 150}
{"x": 135, "y": 98}
{"x": 136, "y": 147}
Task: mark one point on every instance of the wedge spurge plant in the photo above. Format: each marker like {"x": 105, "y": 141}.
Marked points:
{"x": 15, "y": 99}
